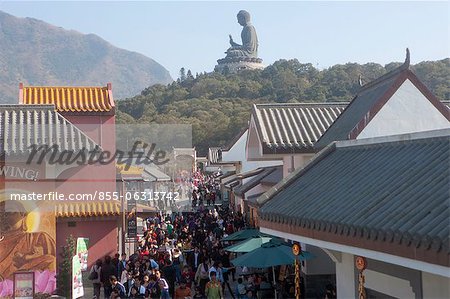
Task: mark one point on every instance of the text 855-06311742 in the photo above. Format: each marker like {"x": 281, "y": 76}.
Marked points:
{"x": 131, "y": 195}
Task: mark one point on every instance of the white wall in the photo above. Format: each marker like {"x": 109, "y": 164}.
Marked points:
{"x": 345, "y": 277}
{"x": 407, "y": 111}
{"x": 389, "y": 285}
{"x": 435, "y": 286}
{"x": 300, "y": 160}
{"x": 237, "y": 153}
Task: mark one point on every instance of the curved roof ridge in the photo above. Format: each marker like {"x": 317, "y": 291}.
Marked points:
{"x": 405, "y": 66}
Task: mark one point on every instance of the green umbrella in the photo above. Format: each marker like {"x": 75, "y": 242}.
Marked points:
{"x": 244, "y": 235}
{"x": 272, "y": 253}
{"x": 248, "y": 245}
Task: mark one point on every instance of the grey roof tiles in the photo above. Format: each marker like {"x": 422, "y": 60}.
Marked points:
{"x": 22, "y": 126}
{"x": 294, "y": 127}
{"x": 396, "y": 192}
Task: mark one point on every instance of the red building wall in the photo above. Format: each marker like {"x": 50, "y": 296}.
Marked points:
{"x": 91, "y": 178}
{"x": 102, "y": 234}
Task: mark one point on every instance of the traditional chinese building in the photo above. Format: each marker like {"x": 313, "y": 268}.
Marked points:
{"x": 30, "y": 190}
{"x": 288, "y": 132}
{"x": 384, "y": 199}
{"x": 396, "y": 103}
{"x": 91, "y": 110}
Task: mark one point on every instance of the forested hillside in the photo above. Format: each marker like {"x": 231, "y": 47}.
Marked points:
{"x": 218, "y": 106}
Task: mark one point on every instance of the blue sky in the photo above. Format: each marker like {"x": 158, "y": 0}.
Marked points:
{"x": 195, "y": 34}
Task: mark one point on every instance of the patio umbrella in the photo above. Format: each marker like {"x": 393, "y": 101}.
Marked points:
{"x": 270, "y": 254}
{"x": 248, "y": 245}
{"x": 244, "y": 235}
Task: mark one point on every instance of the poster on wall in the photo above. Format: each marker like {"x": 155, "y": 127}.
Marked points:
{"x": 77, "y": 279}
{"x": 23, "y": 285}
{"x": 27, "y": 244}
{"x": 131, "y": 219}
{"x": 82, "y": 252}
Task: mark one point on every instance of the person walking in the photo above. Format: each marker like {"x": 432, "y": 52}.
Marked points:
{"x": 213, "y": 288}
{"x": 107, "y": 271}
{"x": 202, "y": 275}
{"x": 94, "y": 276}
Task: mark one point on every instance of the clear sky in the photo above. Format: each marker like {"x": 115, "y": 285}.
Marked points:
{"x": 195, "y": 34}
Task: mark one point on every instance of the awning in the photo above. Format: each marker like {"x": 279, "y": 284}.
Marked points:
{"x": 152, "y": 173}
{"x": 87, "y": 209}
{"x": 141, "y": 208}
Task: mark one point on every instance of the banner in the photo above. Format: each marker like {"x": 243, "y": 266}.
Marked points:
{"x": 77, "y": 279}
{"x": 131, "y": 219}
{"x": 24, "y": 285}
{"x": 82, "y": 252}
{"x": 27, "y": 234}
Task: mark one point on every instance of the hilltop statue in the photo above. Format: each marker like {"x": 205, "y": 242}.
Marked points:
{"x": 249, "y": 47}
{"x": 243, "y": 56}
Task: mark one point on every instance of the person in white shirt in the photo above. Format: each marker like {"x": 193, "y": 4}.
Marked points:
{"x": 218, "y": 270}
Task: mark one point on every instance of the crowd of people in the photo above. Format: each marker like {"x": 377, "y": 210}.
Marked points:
{"x": 205, "y": 190}
{"x": 180, "y": 256}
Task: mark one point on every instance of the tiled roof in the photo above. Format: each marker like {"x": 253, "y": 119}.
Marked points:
{"x": 393, "y": 193}
{"x": 274, "y": 177}
{"x": 241, "y": 175}
{"x": 70, "y": 99}
{"x": 253, "y": 182}
{"x": 87, "y": 209}
{"x": 231, "y": 184}
{"x": 252, "y": 200}
{"x": 369, "y": 100}
{"x": 294, "y": 127}
{"x": 24, "y": 125}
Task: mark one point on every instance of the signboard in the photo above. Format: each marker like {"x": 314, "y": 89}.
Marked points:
{"x": 23, "y": 285}
{"x": 77, "y": 279}
{"x": 131, "y": 219}
{"x": 82, "y": 252}
{"x": 131, "y": 225}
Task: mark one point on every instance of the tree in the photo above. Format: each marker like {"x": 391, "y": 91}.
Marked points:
{"x": 189, "y": 75}
{"x": 182, "y": 74}
{"x": 64, "y": 277}
{"x": 218, "y": 105}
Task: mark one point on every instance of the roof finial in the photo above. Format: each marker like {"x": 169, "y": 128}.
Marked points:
{"x": 407, "y": 60}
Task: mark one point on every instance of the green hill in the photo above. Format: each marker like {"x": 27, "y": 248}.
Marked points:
{"x": 218, "y": 106}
